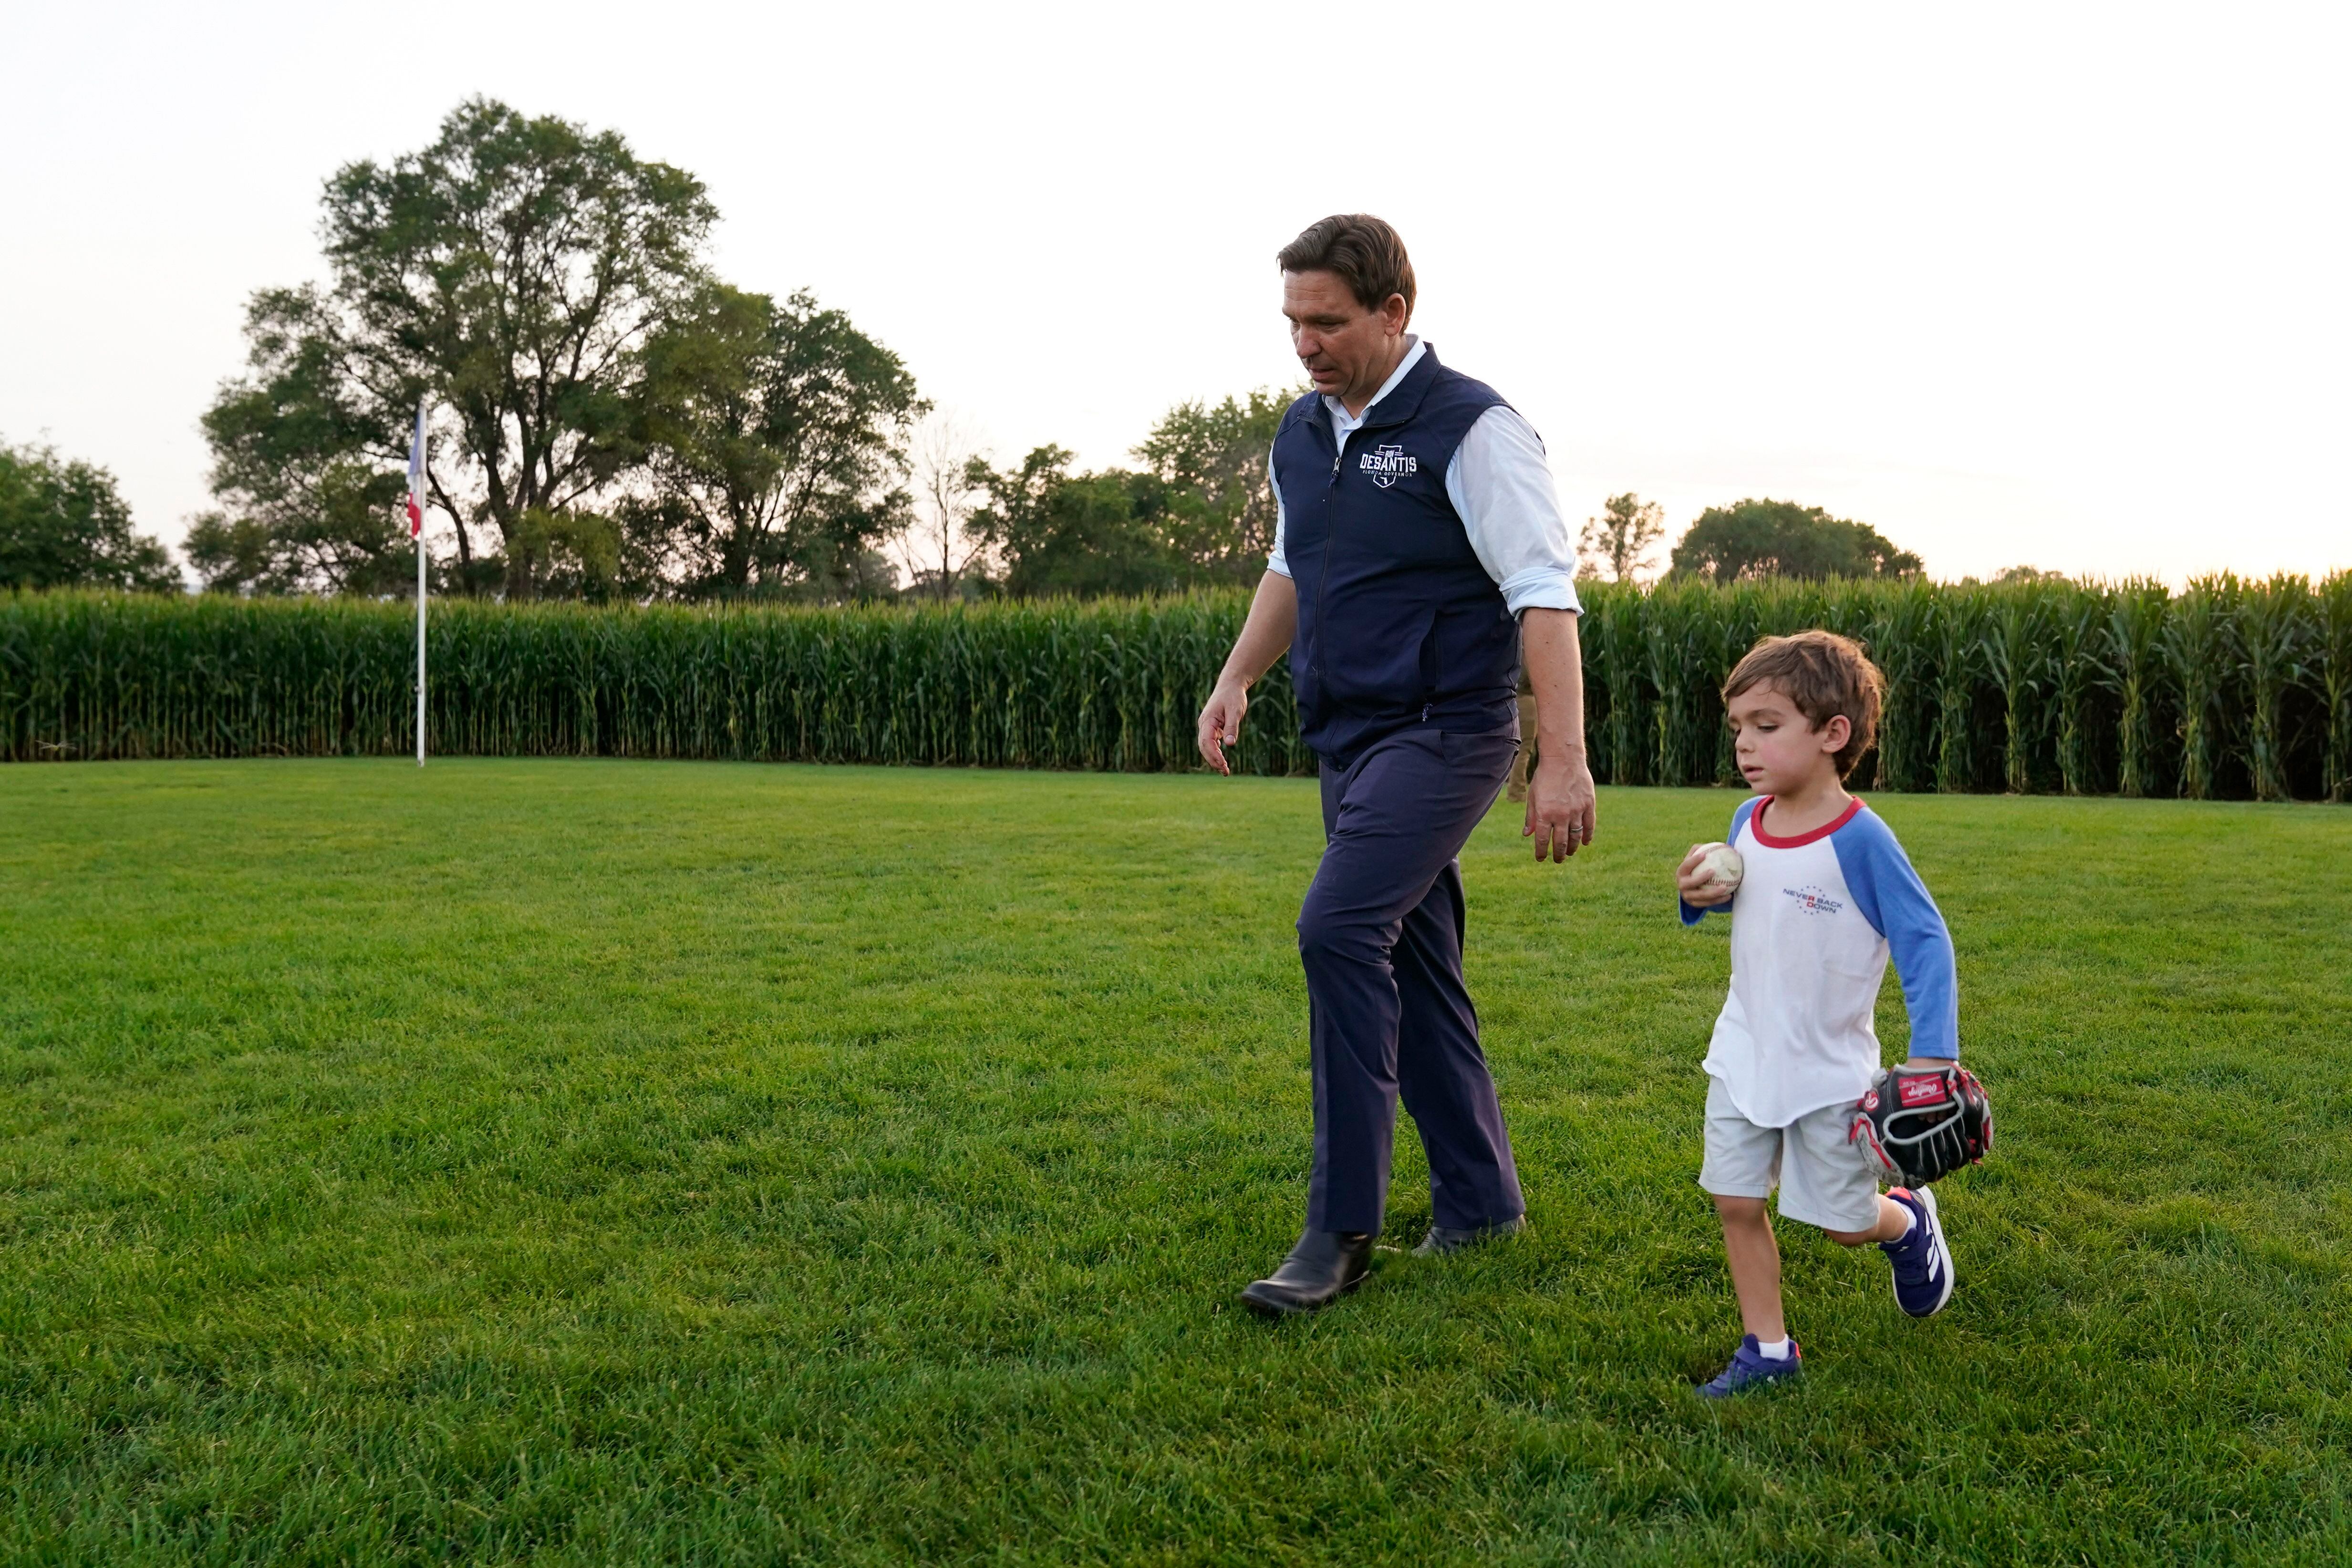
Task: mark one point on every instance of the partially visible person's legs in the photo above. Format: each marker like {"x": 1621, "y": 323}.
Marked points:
{"x": 1826, "y": 1181}
{"x": 1766, "y": 1355}
{"x": 1474, "y": 1184}
{"x": 1396, "y": 821}
{"x": 1892, "y": 1222}
{"x": 1742, "y": 1168}
{"x": 1753, "y": 1254}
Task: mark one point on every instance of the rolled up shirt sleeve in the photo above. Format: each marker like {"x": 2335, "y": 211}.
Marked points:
{"x": 1274, "y": 562}
{"x": 1501, "y": 484}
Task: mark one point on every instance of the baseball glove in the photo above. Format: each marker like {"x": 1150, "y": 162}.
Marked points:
{"x": 1918, "y": 1124}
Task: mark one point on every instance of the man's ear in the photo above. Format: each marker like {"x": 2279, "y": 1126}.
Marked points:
{"x": 1836, "y": 733}
{"x": 1394, "y": 314}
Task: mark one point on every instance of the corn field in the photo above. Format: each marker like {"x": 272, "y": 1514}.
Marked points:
{"x": 2229, "y": 689}
{"x": 1105, "y": 685}
{"x": 2232, "y": 689}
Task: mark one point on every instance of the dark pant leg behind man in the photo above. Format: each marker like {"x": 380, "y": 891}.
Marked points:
{"x": 1379, "y": 935}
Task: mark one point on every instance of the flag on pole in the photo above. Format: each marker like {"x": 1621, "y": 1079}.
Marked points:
{"x": 417, "y": 532}
{"x": 416, "y": 476}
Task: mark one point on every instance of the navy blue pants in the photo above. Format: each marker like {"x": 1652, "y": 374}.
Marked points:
{"x": 1381, "y": 937}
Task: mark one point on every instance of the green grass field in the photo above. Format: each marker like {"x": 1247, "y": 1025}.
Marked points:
{"x": 601, "y": 1162}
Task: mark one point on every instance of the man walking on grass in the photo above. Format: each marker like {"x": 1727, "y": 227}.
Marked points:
{"x": 1419, "y": 549}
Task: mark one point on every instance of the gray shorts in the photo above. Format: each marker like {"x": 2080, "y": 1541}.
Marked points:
{"x": 1822, "y": 1179}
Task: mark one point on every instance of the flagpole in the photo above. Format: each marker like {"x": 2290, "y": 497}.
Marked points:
{"x": 420, "y": 648}
{"x": 416, "y": 528}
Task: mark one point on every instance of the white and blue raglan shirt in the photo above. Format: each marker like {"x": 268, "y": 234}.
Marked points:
{"x": 1813, "y": 924}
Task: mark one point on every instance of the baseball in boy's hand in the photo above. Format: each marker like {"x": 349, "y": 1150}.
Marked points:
{"x": 1708, "y": 876}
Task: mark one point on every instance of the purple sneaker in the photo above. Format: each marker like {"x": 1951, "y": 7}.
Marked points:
{"x": 1749, "y": 1369}
{"x": 1923, "y": 1263}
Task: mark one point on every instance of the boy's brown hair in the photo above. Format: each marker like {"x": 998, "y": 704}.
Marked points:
{"x": 1825, "y": 675}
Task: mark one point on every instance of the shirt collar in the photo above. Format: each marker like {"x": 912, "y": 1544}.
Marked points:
{"x": 1342, "y": 420}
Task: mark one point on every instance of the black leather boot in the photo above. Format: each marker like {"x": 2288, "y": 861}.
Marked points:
{"x": 1443, "y": 1239}
{"x": 1323, "y": 1267}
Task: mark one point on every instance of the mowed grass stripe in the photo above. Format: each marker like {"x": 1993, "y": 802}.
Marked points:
{"x": 592, "y": 1161}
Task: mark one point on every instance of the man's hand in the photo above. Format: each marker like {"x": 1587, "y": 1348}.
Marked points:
{"x": 1699, "y": 890}
{"x": 1560, "y": 806}
{"x": 1221, "y": 723}
{"x": 1272, "y": 622}
{"x": 1560, "y": 796}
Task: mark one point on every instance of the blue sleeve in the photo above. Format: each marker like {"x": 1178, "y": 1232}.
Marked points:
{"x": 1693, "y": 916}
{"x": 1891, "y": 897}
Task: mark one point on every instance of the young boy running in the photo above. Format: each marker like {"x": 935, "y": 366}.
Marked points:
{"x": 1825, "y": 895}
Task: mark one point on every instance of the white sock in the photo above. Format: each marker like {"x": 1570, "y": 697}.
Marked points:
{"x": 1773, "y": 1349}
{"x": 1910, "y": 1224}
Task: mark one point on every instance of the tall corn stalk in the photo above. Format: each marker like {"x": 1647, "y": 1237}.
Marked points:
{"x": 1614, "y": 656}
{"x": 1900, "y": 642}
{"x": 2202, "y": 652}
{"x": 2015, "y": 644}
{"x": 2137, "y": 612}
{"x": 2333, "y": 614}
{"x": 2276, "y": 638}
{"x": 1738, "y": 623}
{"x": 2080, "y": 668}
{"x": 1959, "y": 631}
{"x": 1677, "y": 645}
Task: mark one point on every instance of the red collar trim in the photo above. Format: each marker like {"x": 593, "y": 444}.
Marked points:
{"x": 1756, "y": 826}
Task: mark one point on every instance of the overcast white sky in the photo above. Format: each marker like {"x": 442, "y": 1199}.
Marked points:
{"x": 2056, "y": 284}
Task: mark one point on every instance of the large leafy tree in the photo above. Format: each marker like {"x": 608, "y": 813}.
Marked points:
{"x": 1202, "y": 512}
{"x": 1083, "y": 534}
{"x": 945, "y": 560}
{"x": 63, "y": 524}
{"x": 1622, "y": 537}
{"x": 1220, "y": 510}
{"x": 776, "y": 437}
{"x": 1781, "y": 539}
{"x": 515, "y": 274}
{"x": 309, "y": 503}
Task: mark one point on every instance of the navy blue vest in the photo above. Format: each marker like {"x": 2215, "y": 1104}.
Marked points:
{"x": 1398, "y": 623}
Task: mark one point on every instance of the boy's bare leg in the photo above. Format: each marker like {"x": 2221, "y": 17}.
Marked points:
{"x": 1755, "y": 1259}
{"x": 1894, "y": 1219}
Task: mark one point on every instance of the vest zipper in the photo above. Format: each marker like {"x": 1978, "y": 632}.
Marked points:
{"x": 1338, "y": 455}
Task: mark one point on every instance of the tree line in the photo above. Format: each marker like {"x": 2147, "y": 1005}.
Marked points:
{"x": 610, "y": 419}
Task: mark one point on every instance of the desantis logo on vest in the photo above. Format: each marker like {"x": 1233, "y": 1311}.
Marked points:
{"x": 1387, "y": 464}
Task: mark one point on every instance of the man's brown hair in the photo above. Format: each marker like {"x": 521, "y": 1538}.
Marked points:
{"x": 1361, "y": 251}
{"x": 1825, "y": 675}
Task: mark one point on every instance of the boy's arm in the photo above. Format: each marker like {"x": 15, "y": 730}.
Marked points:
{"x": 1693, "y": 914}
{"x": 1890, "y": 895}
